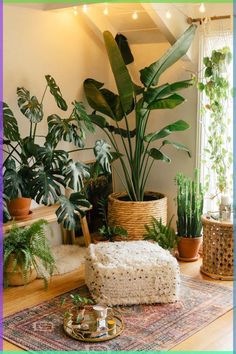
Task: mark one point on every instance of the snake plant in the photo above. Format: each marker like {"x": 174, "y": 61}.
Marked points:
{"x": 189, "y": 205}
{"x": 113, "y": 113}
{"x": 41, "y": 172}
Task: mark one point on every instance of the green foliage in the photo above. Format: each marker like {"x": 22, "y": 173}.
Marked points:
{"x": 189, "y": 205}
{"x": 164, "y": 235}
{"x": 42, "y": 172}
{"x": 134, "y": 151}
{"x": 28, "y": 246}
{"x": 109, "y": 232}
{"x": 216, "y": 88}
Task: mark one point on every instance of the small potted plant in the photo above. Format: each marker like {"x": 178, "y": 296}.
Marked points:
{"x": 164, "y": 235}
{"x": 77, "y": 310}
{"x": 26, "y": 253}
{"x": 108, "y": 233}
{"x": 189, "y": 211}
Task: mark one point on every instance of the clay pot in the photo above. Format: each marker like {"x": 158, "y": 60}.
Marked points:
{"x": 19, "y": 208}
{"x": 188, "y": 248}
{"x": 14, "y": 275}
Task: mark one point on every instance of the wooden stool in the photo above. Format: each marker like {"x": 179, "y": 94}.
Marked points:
{"x": 218, "y": 247}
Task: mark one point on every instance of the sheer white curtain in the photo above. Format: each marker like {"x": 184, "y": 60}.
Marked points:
{"x": 213, "y": 37}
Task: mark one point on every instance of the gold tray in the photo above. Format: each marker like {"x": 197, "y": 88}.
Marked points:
{"x": 85, "y": 335}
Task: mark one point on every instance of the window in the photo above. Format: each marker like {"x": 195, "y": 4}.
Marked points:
{"x": 210, "y": 41}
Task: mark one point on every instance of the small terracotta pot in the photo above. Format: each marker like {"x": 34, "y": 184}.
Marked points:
{"x": 188, "y": 248}
{"x": 19, "y": 208}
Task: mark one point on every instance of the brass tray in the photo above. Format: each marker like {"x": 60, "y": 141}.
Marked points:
{"x": 73, "y": 331}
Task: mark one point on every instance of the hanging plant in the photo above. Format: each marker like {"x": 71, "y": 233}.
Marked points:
{"x": 216, "y": 88}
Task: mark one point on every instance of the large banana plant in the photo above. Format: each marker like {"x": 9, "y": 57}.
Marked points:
{"x": 42, "y": 172}
{"x": 111, "y": 112}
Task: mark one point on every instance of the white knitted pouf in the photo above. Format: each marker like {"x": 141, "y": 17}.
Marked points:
{"x": 134, "y": 272}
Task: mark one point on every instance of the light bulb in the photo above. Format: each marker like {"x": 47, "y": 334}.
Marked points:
{"x": 168, "y": 14}
{"x": 85, "y": 8}
{"x": 75, "y": 12}
{"x": 202, "y": 8}
{"x": 105, "y": 11}
{"x": 135, "y": 15}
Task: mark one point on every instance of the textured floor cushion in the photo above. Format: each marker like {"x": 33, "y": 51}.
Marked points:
{"x": 125, "y": 273}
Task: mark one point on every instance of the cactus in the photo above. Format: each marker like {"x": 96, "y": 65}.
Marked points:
{"x": 189, "y": 205}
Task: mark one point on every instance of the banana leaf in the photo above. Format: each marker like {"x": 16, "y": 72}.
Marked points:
{"x": 122, "y": 78}
{"x": 179, "y": 125}
{"x": 149, "y": 76}
{"x": 158, "y": 155}
{"x": 176, "y": 145}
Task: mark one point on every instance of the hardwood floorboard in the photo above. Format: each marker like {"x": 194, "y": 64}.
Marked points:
{"x": 217, "y": 336}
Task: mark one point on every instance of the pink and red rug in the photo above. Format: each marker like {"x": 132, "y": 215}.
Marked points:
{"x": 147, "y": 327}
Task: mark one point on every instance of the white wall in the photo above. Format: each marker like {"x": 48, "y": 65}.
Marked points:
{"x": 37, "y": 43}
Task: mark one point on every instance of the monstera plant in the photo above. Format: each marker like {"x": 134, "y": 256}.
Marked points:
{"x": 41, "y": 172}
{"x": 137, "y": 154}
{"x": 126, "y": 115}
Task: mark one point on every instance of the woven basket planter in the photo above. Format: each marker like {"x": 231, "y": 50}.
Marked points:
{"x": 132, "y": 216}
{"x": 218, "y": 249}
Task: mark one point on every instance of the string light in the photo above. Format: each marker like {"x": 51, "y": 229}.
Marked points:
{"x": 75, "y": 12}
{"x": 85, "y": 8}
{"x": 202, "y": 8}
{"x": 105, "y": 11}
{"x": 168, "y": 14}
{"x": 135, "y": 15}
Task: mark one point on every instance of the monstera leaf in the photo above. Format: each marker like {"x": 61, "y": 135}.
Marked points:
{"x": 10, "y": 126}
{"x": 81, "y": 116}
{"x": 70, "y": 209}
{"x": 150, "y": 75}
{"x": 52, "y": 159}
{"x": 12, "y": 181}
{"x": 75, "y": 173}
{"x": 56, "y": 92}
{"x": 6, "y": 215}
{"x": 29, "y": 106}
{"x": 103, "y": 154}
{"x": 45, "y": 187}
{"x": 63, "y": 129}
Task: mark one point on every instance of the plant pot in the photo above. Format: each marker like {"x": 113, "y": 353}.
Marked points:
{"x": 188, "y": 248}
{"x": 14, "y": 275}
{"x": 132, "y": 216}
{"x": 97, "y": 238}
{"x": 19, "y": 208}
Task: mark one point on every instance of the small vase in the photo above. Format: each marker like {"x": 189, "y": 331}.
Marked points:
{"x": 188, "y": 248}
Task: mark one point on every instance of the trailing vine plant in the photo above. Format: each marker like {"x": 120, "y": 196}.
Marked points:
{"x": 218, "y": 150}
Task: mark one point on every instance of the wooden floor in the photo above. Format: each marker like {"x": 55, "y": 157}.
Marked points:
{"x": 218, "y": 336}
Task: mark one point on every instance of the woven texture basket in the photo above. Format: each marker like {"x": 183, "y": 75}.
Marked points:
{"x": 132, "y": 216}
{"x": 218, "y": 258}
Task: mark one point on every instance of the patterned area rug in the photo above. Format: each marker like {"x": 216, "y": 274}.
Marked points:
{"x": 147, "y": 327}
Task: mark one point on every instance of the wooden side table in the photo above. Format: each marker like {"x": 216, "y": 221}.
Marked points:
{"x": 218, "y": 249}
{"x": 48, "y": 213}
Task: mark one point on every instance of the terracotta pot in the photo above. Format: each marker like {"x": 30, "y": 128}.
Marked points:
{"x": 188, "y": 248}
{"x": 132, "y": 216}
{"x": 19, "y": 208}
{"x": 14, "y": 275}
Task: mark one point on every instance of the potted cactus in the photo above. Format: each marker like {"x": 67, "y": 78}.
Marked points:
{"x": 189, "y": 211}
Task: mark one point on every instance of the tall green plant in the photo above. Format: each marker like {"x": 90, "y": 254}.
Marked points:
{"x": 112, "y": 112}
{"x": 217, "y": 90}
{"x": 42, "y": 172}
{"x": 189, "y": 205}
{"x": 28, "y": 246}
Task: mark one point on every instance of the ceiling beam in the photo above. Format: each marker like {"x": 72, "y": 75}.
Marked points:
{"x": 172, "y": 27}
